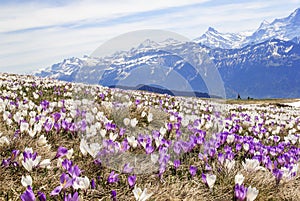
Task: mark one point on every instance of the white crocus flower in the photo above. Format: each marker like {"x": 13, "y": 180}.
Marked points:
{"x": 59, "y": 162}
{"x": 230, "y": 139}
{"x": 83, "y": 147}
{"x": 229, "y": 164}
{"x": 143, "y": 114}
{"x": 32, "y": 132}
{"x": 92, "y": 149}
{"x": 141, "y": 195}
{"x": 211, "y": 179}
{"x": 103, "y": 132}
{"x": 126, "y": 121}
{"x": 239, "y": 179}
{"x": 24, "y": 127}
{"x": 81, "y": 183}
{"x": 132, "y": 141}
{"x": 163, "y": 131}
{"x": 45, "y": 163}
{"x": 251, "y": 165}
{"x": 251, "y": 193}
{"x": 4, "y": 140}
{"x": 150, "y": 117}
{"x": 30, "y": 163}
{"x": 26, "y": 181}
{"x": 70, "y": 153}
{"x": 133, "y": 122}
{"x": 42, "y": 140}
{"x": 246, "y": 146}
{"x": 113, "y": 136}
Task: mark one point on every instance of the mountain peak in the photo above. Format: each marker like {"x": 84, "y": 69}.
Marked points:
{"x": 296, "y": 13}
{"x": 211, "y": 29}
{"x": 264, "y": 24}
{"x": 294, "y": 17}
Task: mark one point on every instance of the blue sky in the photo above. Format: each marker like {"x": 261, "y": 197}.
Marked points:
{"x": 36, "y": 34}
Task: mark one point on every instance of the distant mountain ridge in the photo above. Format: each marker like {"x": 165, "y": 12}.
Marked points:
{"x": 264, "y": 64}
{"x": 287, "y": 28}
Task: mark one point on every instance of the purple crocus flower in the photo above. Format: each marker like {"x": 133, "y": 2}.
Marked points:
{"x": 57, "y": 126}
{"x": 122, "y": 131}
{"x": 113, "y": 178}
{"x": 65, "y": 181}
{"x": 278, "y": 175}
{"x": 74, "y": 171}
{"x": 14, "y": 154}
{"x": 127, "y": 169}
{"x": 240, "y": 192}
{"x": 41, "y": 196}
{"x": 45, "y": 104}
{"x": 48, "y": 126}
{"x": 5, "y": 162}
{"x": 193, "y": 170}
{"x": 221, "y": 158}
{"x": 149, "y": 149}
{"x": 124, "y": 145}
{"x": 56, "y": 116}
{"x": 69, "y": 197}
{"x": 114, "y": 195}
{"x": 28, "y": 195}
{"x": 93, "y": 184}
{"x": 56, "y": 191}
{"x": 61, "y": 151}
{"x": 203, "y": 177}
{"x": 131, "y": 180}
{"x": 65, "y": 125}
{"x": 176, "y": 163}
{"x": 67, "y": 164}
{"x": 170, "y": 126}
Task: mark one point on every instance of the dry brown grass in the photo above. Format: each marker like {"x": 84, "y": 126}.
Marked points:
{"x": 175, "y": 185}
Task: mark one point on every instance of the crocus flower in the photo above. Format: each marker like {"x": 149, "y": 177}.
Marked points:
{"x": 193, "y": 170}
{"x": 251, "y": 193}
{"x": 127, "y": 169}
{"x": 113, "y": 178}
{"x": 69, "y": 197}
{"x": 209, "y": 179}
{"x": 93, "y": 184}
{"x": 81, "y": 183}
{"x": 240, "y": 192}
{"x": 42, "y": 140}
{"x": 176, "y": 163}
{"x": 141, "y": 195}
{"x": 28, "y": 195}
{"x": 61, "y": 151}
{"x": 114, "y": 195}
{"x": 149, "y": 148}
{"x": 252, "y": 165}
{"x": 239, "y": 179}
{"x": 30, "y": 160}
{"x": 131, "y": 180}
{"x": 65, "y": 182}
{"x": 133, "y": 122}
{"x": 26, "y": 181}
{"x": 41, "y": 196}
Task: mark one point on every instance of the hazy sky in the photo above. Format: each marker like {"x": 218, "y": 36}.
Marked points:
{"x": 39, "y": 33}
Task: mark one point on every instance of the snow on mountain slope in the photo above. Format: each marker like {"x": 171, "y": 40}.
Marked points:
{"x": 284, "y": 29}
{"x": 214, "y": 39}
{"x": 287, "y": 28}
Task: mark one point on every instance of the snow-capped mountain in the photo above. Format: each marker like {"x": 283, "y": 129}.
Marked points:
{"x": 287, "y": 28}
{"x": 214, "y": 39}
{"x": 265, "y": 64}
{"x": 284, "y": 29}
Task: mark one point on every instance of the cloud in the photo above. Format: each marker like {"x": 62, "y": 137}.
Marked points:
{"x": 36, "y": 34}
